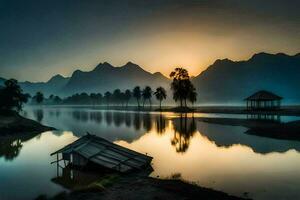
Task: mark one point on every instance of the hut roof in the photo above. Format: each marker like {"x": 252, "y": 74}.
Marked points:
{"x": 263, "y": 95}
{"x": 106, "y": 153}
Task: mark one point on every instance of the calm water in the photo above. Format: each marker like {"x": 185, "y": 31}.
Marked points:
{"x": 214, "y": 156}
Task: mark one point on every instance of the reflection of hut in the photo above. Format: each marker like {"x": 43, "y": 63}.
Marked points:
{"x": 91, "y": 149}
{"x": 263, "y": 100}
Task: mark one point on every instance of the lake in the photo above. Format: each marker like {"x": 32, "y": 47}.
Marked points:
{"x": 216, "y": 156}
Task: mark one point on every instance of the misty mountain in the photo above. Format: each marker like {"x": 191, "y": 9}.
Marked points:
{"x": 227, "y": 81}
{"x": 106, "y": 77}
{"x": 53, "y": 86}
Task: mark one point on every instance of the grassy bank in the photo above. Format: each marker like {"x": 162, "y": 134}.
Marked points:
{"x": 12, "y": 123}
{"x": 136, "y": 187}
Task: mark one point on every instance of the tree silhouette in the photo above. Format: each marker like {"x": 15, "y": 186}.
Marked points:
{"x": 160, "y": 95}
{"x": 181, "y": 85}
{"x": 11, "y": 96}
{"x": 117, "y": 96}
{"x": 147, "y": 95}
{"x": 39, "y": 97}
{"x": 107, "y": 97}
{"x": 127, "y": 96}
{"x": 137, "y": 94}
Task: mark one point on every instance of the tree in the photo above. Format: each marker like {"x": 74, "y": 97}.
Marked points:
{"x": 57, "y": 99}
{"x": 160, "y": 95}
{"x": 137, "y": 94}
{"x": 127, "y": 96}
{"x": 93, "y": 97}
{"x": 181, "y": 85}
{"x": 39, "y": 97}
{"x": 117, "y": 96}
{"x": 107, "y": 97}
{"x": 147, "y": 94}
{"x": 12, "y": 96}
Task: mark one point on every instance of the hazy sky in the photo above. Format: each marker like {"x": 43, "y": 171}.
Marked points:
{"x": 41, "y": 38}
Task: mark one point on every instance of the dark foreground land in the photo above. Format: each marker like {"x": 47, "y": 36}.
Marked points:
{"x": 136, "y": 187}
{"x": 13, "y": 123}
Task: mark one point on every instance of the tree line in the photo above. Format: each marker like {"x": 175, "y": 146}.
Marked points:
{"x": 12, "y": 96}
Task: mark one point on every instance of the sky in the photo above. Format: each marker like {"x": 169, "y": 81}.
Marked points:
{"x": 39, "y": 39}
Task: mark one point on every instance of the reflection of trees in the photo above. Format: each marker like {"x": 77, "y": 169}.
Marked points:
{"x": 161, "y": 123}
{"x": 108, "y": 118}
{"x": 39, "y": 115}
{"x": 10, "y": 148}
{"x": 118, "y": 118}
{"x": 80, "y": 115}
{"x": 137, "y": 121}
{"x": 147, "y": 122}
{"x": 127, "y": 119}
{"x": 96, "y": 116}
{"x": 184, "y": 129}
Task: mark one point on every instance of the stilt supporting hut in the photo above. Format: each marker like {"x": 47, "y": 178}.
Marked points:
{"x": 263, "y": 101}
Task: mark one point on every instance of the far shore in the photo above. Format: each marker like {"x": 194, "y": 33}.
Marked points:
{"x": 284, "y": 111}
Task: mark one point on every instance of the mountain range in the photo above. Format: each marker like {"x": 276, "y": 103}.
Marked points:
{"x": 225, "y": 81}
{"x": 228, "y": 81}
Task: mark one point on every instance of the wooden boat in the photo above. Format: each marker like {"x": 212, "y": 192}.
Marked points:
{"x": 94, "y": 149}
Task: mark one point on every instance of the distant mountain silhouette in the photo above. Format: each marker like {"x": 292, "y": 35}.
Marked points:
{"x": 106, "y": 77}
{"x": 225, "y": 81}
{"x": 228, "y": 81}
{"x": 53, "y": 86}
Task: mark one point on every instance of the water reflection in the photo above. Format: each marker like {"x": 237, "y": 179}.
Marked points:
{"x": 184, "y": 129}
{"x": 129, "y": 126}
{"x": 227, "y": 136}
{"x": 222, "y": 157}
{"x": 160, "y": 124}
{"x": 39, "y": 114}
{"x": 10, "y": 146}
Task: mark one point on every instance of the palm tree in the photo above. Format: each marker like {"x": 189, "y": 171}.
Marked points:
{"x": 107, "y": 97}
{"x": 137, "y": 94}
{"x": 160, "y": 95}
{"x": 147, "y": 94}
{"x": 127, "y": 96}
{"x": 181, "y": 85}
{"x": 117, "y": 96}
{"x": 180, "y": 78}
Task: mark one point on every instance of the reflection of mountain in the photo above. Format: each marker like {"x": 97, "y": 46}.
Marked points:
{"x": 11, "y": 146}
{"x": 184, "y": 129}
{"x": 225, "y": 135}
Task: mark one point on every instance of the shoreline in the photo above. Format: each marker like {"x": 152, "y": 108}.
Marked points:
{"x": 284, "y": 111}
{"x": 12, "y": 123}
{"x": 262, "y": 128}
{"x": 135, "y": 186}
